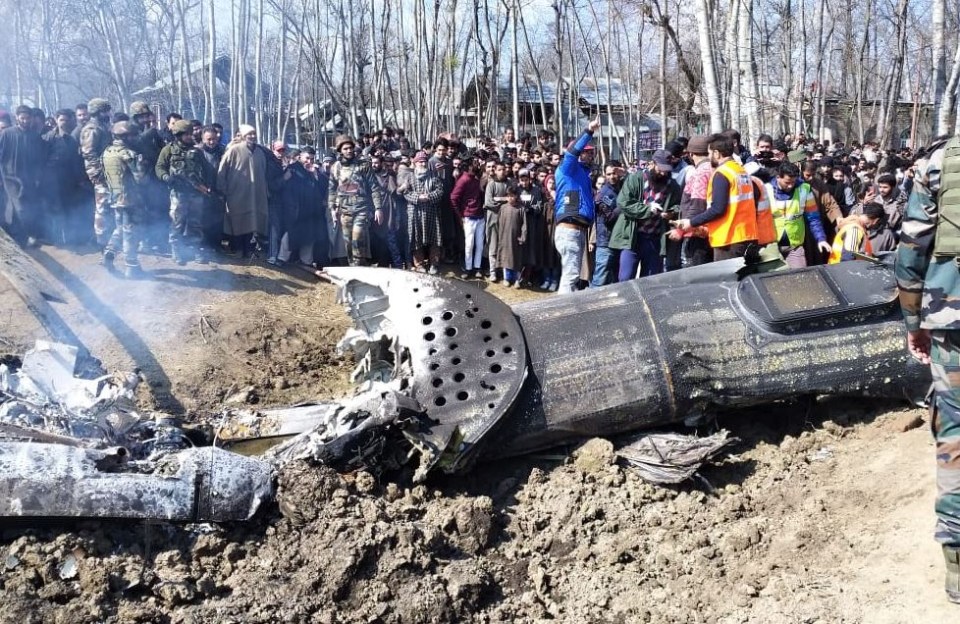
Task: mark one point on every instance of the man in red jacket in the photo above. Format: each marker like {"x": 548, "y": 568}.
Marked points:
{"x": 467, "y": 202}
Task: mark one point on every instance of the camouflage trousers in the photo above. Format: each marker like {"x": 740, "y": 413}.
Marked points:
{"x": 127, "y": 233}
{"x": 104, "y": 223}
{"x": 356, "y": 235}
{"x": 186, "y": 226}
{"x": 945, "y": 368}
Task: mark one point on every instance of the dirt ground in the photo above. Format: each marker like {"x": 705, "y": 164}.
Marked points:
{"x": 823, "y": 513}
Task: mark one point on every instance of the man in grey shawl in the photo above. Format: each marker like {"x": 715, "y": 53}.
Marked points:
{"x": 242, "y": 179}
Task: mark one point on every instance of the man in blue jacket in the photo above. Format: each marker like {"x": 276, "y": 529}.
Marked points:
{"x": 606, "y": 264}
{"x": 574, "y": 207}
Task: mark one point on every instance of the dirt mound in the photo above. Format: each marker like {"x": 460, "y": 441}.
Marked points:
{"x": 267, "y": 358}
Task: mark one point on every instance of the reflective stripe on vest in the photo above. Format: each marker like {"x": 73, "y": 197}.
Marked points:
{"x": 739, "y": 223}
{"x": 788, "y": 214}
{"x": 836, "y": 252}
{"x": 766, "y": 229}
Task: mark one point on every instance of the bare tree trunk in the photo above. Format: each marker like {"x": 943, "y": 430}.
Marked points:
{"x": 278, "y": 89}
{"x": 732, "y": 64}
{"x": 515, "y": 66}
{"x": 662, "y": 79}
{"x": 949, "y": 102}
{"x": 419, "y": 42}
{"x": 558, "y": 91}
{"x": 185, "y": 55}
{"x": 596, "y": 88}
{"x": 18, "y": 46}
{"x": 605, "y": 54}
{"x": 817, "y": 94}
{"x": 748, "y": 80}
{"x": 258, "y": 75}
{"x": 245, "y": 44}
{"x": 536, "y": 69}
{"x": 211, "y": 75}
{"x": 405, "y": 73}
{"x": 377, "y": 92}
{"x": 862, "y": 72}
{"x": 939, "y": 69}
{"x": 203, "y": 74}
{"x": 234, "y": 69}
{"x": 895, "y": 76}
{"x": 114, "y": 53}
{"x": 710, "y": 85}
{"x": 787, "y": 76}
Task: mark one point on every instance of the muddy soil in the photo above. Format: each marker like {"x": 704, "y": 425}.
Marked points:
{"x": 822, "y": 513}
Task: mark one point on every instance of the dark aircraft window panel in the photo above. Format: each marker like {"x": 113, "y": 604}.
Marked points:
{"x": 798, "y": 293}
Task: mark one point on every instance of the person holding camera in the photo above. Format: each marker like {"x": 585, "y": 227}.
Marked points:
{"x": 648, "y": 200}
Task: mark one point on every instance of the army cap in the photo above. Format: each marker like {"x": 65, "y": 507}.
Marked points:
{"x": 342, "y": 140}
{"x": 97, "y": 106}
{"x": 122, "y": 128}
{"x": 182, "y": 126}
{"x": 140, "y": 108}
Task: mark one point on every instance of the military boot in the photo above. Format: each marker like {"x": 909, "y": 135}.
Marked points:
{"x": 951, "y": 555}
{"x": 107, "y": 259}
{"x": 133, "y": 271}
{"x": 178, "y": 255}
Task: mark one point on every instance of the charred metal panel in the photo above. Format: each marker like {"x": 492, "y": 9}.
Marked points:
{"x": 197, "y": 485}
{"x": 465, "y": 347}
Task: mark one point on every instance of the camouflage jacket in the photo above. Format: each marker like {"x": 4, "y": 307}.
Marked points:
{"x": 354, "y": 188}
{"x": 123, "y": 169}
{"x": 149, "y": 144}
{"x": 929, "y": 287}
{"x": 183, "y": 168}
{"x": 94, "y": 139}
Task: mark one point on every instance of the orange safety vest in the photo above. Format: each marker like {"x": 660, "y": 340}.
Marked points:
{"x": 739, "y": 223}
{"x": 766, "y": 226}
{"x": 836, "y": 253}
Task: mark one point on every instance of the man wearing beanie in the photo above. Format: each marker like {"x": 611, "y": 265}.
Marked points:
{"x": 731, "y": 214}
{"x": 693, "y": 202}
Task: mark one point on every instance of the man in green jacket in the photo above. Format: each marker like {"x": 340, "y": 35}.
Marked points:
{"x": 647, "y": 201}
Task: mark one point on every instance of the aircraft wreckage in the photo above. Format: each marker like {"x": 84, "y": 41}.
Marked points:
{"x": 449, "y": 373}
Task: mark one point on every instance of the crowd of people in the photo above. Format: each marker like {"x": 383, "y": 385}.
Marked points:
{"x": 522, "y": 209}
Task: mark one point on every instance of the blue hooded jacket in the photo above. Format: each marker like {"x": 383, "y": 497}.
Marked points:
{"x": 574, "y": 201}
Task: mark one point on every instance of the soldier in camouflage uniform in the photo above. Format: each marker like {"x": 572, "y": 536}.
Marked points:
{"x": 94, "y": 139}
{"x": 124, "y": 170}
{"x": 355, "y": 197}
{"x": 155, "y": 194}
{"x": 928, "y": 276}
{"x": 181, "y": 167}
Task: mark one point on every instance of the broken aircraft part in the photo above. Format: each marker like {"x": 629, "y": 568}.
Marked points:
{"x": 656, "y": 350}
{"x": 669, "y": 458}
{"x": 72, "y": 447}
{"x": 195, "y": 485}
{"x": 636, "y": 354}
{"x": 455, "y": 350}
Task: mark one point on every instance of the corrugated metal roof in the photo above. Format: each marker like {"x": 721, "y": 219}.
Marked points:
{"x": 591, "y": 92}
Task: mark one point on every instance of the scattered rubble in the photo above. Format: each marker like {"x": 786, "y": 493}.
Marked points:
{"x": 76, "y": 447}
